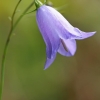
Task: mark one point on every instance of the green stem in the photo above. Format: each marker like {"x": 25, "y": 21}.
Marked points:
{"x": 7, "y": 42}
{"x": 5, "y": 49}
{"x": 23, "y": 14}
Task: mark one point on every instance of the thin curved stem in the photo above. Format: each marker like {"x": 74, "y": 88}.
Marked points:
{"x": 7, "y": 42}
{"x": 23, "y": 14}
{"x": 5, "y": 49}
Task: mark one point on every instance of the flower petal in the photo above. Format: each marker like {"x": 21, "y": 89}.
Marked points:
{"x": 54, "y": 20}
{"x": 49, "y": 61}
{"x": 61, "y": 26}
{"x": 67, "y": 47}
{"x": 83, "y": 35}
{"x": 47, "y": 29}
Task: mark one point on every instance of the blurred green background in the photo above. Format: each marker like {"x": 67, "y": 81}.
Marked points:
{"x": 68, "y": 78}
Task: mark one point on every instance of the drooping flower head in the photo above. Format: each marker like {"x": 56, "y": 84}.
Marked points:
{"x": 58, "y": 34}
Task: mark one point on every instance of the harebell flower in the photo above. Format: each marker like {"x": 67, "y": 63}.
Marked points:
{"x": 58, "y": 34}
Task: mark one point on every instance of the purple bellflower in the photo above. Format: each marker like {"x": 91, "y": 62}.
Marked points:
{"x": 58, "y": 34}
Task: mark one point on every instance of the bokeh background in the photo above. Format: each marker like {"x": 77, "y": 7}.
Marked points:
{"x": 68, "y": 78}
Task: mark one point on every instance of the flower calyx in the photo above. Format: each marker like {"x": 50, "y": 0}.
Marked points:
{"x": 38, "y": 4}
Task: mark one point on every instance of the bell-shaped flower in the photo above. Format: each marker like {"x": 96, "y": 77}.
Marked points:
{"x": 58, "y": 34}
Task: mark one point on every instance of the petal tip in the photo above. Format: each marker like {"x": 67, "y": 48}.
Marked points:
{"x": 93, "y": 32}
{"x": 44, "y": 68}
{"x": 89, "y": 34}
{"x": 83, "y": 35}
{"x": 49, "y": 62}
